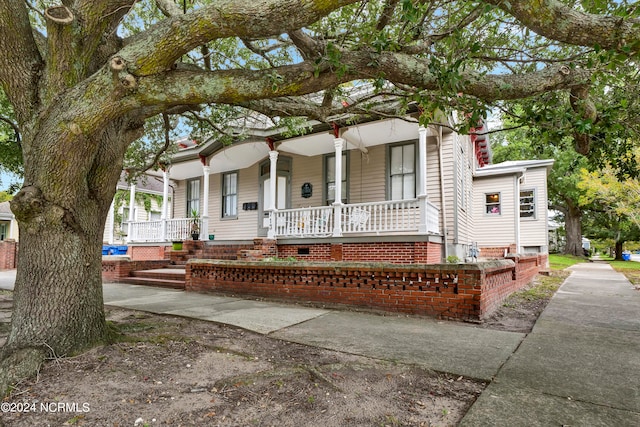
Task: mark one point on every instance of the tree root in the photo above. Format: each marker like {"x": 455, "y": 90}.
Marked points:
{"x": 18, "y": 365}
{"x": 276, "y": 374}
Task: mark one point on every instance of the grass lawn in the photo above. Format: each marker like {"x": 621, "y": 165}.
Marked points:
{"x": 630, "y": 269}
{"x": 560, "y": 262}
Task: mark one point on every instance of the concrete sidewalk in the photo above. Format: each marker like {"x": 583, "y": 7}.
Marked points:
{"x": 444, "y": 346}
{"x": 580, "y": 366}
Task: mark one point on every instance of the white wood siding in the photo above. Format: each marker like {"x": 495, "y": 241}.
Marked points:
{"x": 180, "y": 202}
{"x": 368, "y": 175}
{"x": 448, "y": 166}
{"x": 307, "y": 169}
{"x": 494, "y": 230}
{"x": 245, "y": 225}
{"x": 463, "y": 184}
{"x": 533, "y": 231}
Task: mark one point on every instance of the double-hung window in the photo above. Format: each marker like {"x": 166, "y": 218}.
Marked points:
{"x": 193, "y": 196}
{"x": 492, "y": 203}
{"x": 230, "y": 195}
{"x": 402, "y": 171}
{"x": 527, "y": 204}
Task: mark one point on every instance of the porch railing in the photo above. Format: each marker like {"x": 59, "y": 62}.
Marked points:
{"x": 162, "y": 230}
{"x": 385, "y": 217}
{"x": 376, "y": 217}
{"x": 305, "y": 222}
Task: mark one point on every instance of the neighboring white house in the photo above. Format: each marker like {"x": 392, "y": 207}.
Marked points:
{"x": 8, "y": 223}
{"x": 147, "y": 206}
{"x": 385, "y": 181}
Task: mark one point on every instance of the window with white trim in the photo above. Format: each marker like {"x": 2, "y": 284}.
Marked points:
{"x": 402, "y": 171}
{"x": 492, "y": 203}
{"x": 230, "y": 195}
{"x": 193, "y": 196}
{"x": 528, "y": 204}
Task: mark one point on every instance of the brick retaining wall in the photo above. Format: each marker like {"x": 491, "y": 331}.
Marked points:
{"x": 143, "y": 253}
{"x": 115, "y": 267}
{"x": 448, "y": 291}
{"x": 8, "y": 254}
{"x": 390, "y": 252}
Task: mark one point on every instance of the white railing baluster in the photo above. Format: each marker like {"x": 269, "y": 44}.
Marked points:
{"x": 374, "y": 217}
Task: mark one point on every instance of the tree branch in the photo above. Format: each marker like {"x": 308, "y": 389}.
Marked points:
{"x": 20, "y": 60}
{"x": 169, "y": 8}
{"x": 16, "y": 130}
{"x": 157, "y": 49}
{"x": 156, "y": 156}
{"x": 552, "y": 19}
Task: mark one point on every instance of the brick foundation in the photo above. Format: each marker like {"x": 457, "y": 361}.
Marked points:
{"x": 497, "y": 252}
{"x": 8, "y": 254}
{"x": 390, "y": 252}
{"x": 448, "y": 291}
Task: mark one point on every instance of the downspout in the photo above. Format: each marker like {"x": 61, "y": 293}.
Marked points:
{"x": 442, "y": 200}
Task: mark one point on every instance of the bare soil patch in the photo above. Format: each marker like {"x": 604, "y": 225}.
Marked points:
{"x": 519, "y": 312}
{"x": 172, "y": 371}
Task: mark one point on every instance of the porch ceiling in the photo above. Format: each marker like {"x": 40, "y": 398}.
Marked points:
{"x": 235, "y": 157}
{"x": 357, "y": 137}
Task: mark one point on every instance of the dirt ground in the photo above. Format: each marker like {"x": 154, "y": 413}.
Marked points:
{"x": 172, "y": 371}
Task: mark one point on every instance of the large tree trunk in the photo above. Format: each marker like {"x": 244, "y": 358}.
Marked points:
{"x": 573, "y": 227}
{"x": 61, "y": 209}
{"x": 619, "y": 250}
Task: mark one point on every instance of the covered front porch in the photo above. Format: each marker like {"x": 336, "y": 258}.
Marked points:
{"x": 291, "y": 188}
{"x": 416, "y": 216}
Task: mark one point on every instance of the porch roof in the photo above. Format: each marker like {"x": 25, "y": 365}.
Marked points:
{"x": 242, "y": 154}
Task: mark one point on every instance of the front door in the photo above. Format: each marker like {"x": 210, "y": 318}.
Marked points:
{"x": 283, "y": 191}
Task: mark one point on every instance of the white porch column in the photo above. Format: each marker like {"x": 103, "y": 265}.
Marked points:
{"x": 132, "y": 206}
{"x": 422, "y": 178}
{"x": 165, "y": 203}
{"x": 204, "y": 215}
{"x": 338, "y": 143}
{"x": 111, "y": 223}
{"x": 273, "y": 177}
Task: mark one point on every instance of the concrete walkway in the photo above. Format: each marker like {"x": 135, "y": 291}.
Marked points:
{"x": 580, "y": 366}
{"x": 444, "y": 346}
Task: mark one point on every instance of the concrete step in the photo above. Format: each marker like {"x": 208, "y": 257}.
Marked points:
{"x": 161, "y": 273}
{"x": 160, "y": 283}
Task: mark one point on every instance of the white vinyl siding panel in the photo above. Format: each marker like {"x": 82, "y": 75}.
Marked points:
{"x": 367, "y": 175}
{"x": 494, "y": 230}
{"x": 306, "y": 169}
{"x": 533, "y": 231}
{"x": 245, "y": 225}
{"x": 180, "y": 202}
{"x": 448, "y": 166}
{"x": 464, "y": 183}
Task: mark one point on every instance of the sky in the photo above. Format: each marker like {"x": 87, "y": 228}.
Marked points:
{"x": 6, "y": 179}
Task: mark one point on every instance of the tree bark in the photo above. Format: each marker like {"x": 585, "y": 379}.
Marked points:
{"x": 619, "y": 250}
{"x": 61, "y": 210}
{"x": 573, "y": 226}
